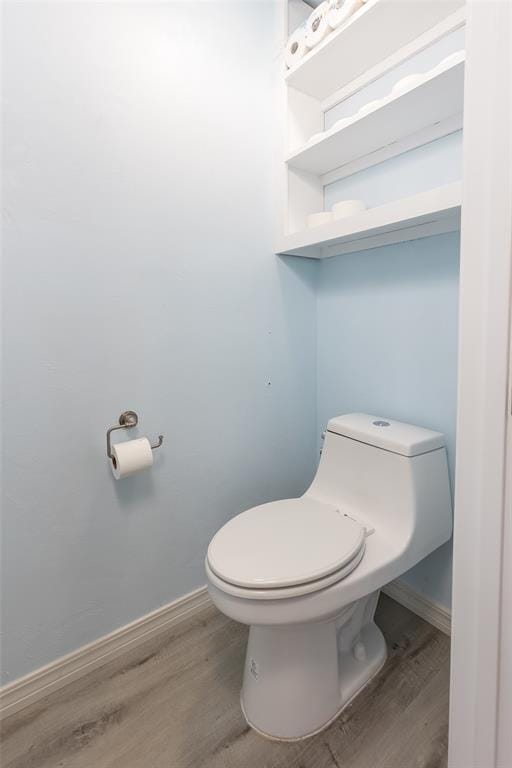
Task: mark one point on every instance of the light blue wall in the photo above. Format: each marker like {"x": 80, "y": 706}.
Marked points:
{"x": 387, "y": 318}
{"x": 387, "y": 344}
{"x": 139, "y": 273}
{"x": 416, "y": 171}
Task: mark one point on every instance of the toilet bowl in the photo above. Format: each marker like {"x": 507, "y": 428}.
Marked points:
{"x": 305, "y": 574}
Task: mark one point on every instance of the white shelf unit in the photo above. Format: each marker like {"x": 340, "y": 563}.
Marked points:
{"x": 361, "y": 43}
{"x": 425, "y": 112}
{"x": 434, "y": 212}
{"x": 401, "y": 121}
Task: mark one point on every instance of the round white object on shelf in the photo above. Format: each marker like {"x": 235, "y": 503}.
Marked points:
{"x": 341, "y": 10}
{"x": 451, "y": 59}
{"x": 405, "y": 83}
{"x": 369, "y": 107}
{"x": 322, "y": 217}
{"x": 346, "y": 208}
{"x": 339, "y": 124}
{"x": 317, "y": 27}
{"x": 296, "y": 47}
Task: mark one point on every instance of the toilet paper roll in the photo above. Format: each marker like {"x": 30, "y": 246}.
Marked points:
{"x": 340, "y": 11}
{"x": 316, "y": 26}
{"x": 131, "y": 457}
{"x": 296, "y": 47}
{"x": 322, "y": 217}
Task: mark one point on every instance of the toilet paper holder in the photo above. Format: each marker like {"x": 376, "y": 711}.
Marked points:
{"x": 127, "y": 420}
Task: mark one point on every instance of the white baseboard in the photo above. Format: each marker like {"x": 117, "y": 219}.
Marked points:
{"x": 422, "y": 606}
{"x": 38, "y": 684}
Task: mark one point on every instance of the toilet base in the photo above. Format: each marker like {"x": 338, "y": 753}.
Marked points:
{"x": 298, "y": 679}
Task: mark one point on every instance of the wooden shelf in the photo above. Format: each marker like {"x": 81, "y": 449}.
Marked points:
{"x": 429, "y": 110}
{"x": 360, "y": 44}
{"x": 429, "y": 213}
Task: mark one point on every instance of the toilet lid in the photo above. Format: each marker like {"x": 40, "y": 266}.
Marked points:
{"x": 285, "y": 543}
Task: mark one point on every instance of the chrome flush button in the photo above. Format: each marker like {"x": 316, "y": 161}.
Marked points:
{"x": 381, "y": 423}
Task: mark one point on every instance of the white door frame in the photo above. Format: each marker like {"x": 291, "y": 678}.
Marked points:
{"x": 504, "y": 734}
{"x": 481, "y": 690}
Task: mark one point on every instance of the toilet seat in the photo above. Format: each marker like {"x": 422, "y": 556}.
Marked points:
{"x": 285, "y": 548}
{"x": 282, "y": 593}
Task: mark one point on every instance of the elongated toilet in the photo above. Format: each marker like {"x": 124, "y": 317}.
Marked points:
{"x": 305, "y": 573}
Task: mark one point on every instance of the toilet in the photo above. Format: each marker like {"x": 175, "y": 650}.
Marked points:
{"x": 304, "y": 574}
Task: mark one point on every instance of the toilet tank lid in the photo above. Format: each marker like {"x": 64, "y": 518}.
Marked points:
{"x": 395, "y": 436}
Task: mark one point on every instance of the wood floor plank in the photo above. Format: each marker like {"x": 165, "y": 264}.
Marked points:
{"x": 174, "y": 703}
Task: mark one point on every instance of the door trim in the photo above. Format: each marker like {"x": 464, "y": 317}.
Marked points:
{"x": 484, "y": 326}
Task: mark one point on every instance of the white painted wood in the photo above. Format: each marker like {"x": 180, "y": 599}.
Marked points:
{"x": 422, "y": 606}
{"x": 438, "y": 99}
{"x": 38, "y": 684}
{"x": 402, "y": 122}
{"x": 485, "y": 294}
{"x": 394, "y": 148}
{"x": 280, "y": 170}
{"x": 433, "y": 212}
{"x": 305, "y": 196}
{"x": 303, "y": 190}
{"x": 450, "y": 24}
{"x": 299, "y": 193}
{"x": 504, "y": 736}
{"x": 351, "y": 50}
{"x": 304, "y": 118}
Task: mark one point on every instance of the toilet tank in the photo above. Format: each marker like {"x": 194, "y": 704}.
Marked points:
{"x": 391, "y": 476}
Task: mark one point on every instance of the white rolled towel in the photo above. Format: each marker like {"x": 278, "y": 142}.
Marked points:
{"x": 316, "y": 219}
{"x": 317, "y": 27}
{"x": 341, "y": 10}
{"x": 369, "y": 107}
{"x": 452, "y": 58}
{"x": 346, "y": 208}
{"x": 406, "y": 83}
{"x": 296, "y": 47}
